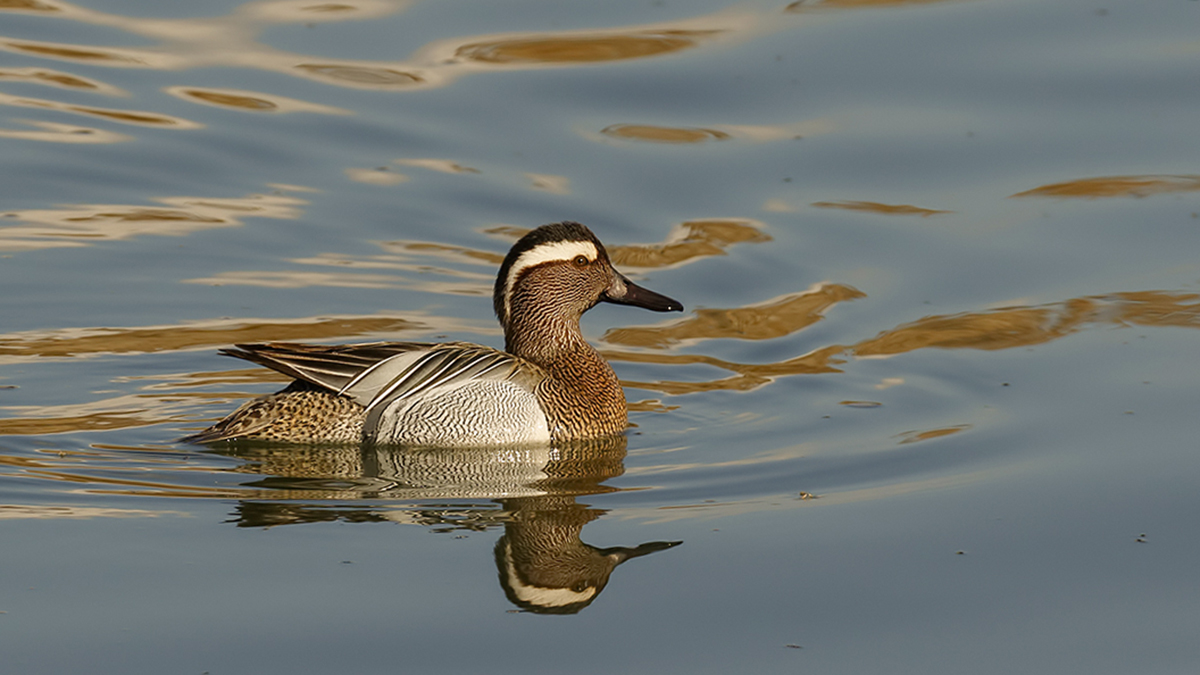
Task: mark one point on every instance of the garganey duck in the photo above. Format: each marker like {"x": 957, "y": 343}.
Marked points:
{"x": 548, "y": 385}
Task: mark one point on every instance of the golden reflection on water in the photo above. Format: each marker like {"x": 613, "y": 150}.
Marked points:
{"x": 120, "y": 412}
{"x": 747, "y": 376}
{"x": 88, "y": 342}
{"x": 54, "y": 132}
{"x": 918, "y": 436}
{"x": 861, "y": 404}
{"x": 58, "y": 79}
{"x": 250, "y": 101}
{"x": 1005, "y": 328}
{"x": 652, "y": 133}
{"x": 233, "y": 41}
{"x": 123, "y": 116}
{"x": 884, "y": 209}
{"x": 643, "y": 132}
{"x": 309, "y": 12}
{"x": 83, "y": 224}
{"x": 364, "y": 76}
{"x": 164, "y": 399}
{"x": 1115, "y": 186}
{"x": 97, "y": 56}
{"x": 1011, "y": 327}
{"x": 772, "y": 319}
{"x": 688, "y": 242}
{"x": 27, "y": 6}
{"x": 564, "y": 49}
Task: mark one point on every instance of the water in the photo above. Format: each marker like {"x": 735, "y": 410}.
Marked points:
{"x": 930, "y": 407}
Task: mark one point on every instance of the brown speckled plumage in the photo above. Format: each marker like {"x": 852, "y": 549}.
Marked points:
{"x": 551, "y": 385}
{"x": 301, "y": 413}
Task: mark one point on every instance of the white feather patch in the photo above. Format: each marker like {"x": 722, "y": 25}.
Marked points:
{"x": 549, "y": 252}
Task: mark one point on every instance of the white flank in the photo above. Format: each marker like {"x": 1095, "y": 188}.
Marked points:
{"x": 549, "y": 252}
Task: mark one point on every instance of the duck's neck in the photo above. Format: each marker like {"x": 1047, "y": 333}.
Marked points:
{"x": 582, "y": 396}
{"x": 555, "y": 343}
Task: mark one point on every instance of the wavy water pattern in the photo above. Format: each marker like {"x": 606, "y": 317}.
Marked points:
{"x": 84, "y": 224}
{"x": 1006, "y": 328}
{"x": 89, "y": 342}
{"x": 687, "y": 243}
{"x": 232, "y": 41}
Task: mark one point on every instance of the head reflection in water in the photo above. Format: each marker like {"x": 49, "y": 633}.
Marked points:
{"x": 543, "y": 565}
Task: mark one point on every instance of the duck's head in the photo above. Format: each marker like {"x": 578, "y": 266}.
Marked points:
{"x": 561, "y": 270}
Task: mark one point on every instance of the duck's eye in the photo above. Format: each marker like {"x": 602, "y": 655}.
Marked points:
{"x": 580, "y": 261}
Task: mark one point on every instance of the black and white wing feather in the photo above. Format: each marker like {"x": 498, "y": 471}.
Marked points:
{"x": 327, "y": 366}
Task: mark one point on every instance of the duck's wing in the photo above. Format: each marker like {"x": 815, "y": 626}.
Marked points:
{"x": 328, "y": 366}
{"x": 413, "y": 384}
{"x": 379, "y": 373}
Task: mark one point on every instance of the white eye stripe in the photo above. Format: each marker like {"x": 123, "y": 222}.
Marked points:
{"x": 558, "y": 250}
{"x": 549, "y": 252}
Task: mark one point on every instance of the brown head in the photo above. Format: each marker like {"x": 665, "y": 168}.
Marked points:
{"x": 557, "y": 272}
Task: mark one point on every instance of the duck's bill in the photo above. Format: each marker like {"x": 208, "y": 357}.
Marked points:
{"x": 622, "y": 553}
{"x": 625, "y": 292}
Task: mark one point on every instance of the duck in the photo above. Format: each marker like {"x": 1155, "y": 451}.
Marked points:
{"x": 549, "y": 385}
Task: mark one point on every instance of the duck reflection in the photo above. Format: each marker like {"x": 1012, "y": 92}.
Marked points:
{"x": 543, "y": 564}
{"x": 544, "y": 567}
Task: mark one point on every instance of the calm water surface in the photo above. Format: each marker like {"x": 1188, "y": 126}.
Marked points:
{"x": 932, "y": 406}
